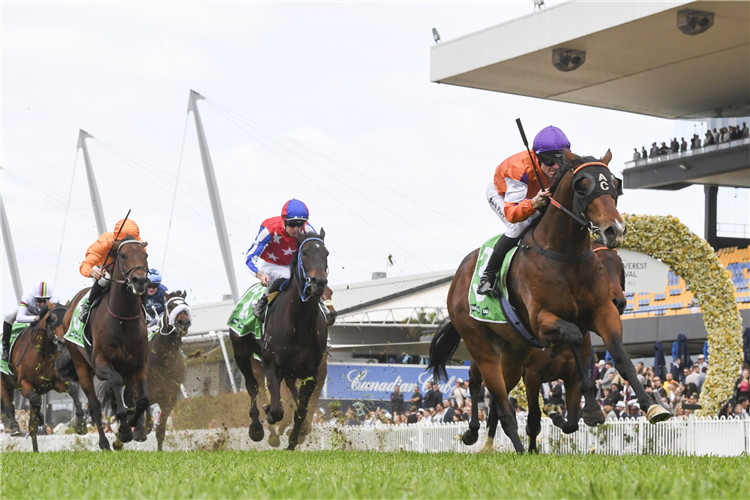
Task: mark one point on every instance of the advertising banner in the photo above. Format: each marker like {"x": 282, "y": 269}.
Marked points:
{"x": 376, "y": 381}
{"x": 643, "y": 273}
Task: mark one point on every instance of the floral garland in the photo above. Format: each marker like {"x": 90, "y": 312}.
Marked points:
{"x": 667, "y": 239}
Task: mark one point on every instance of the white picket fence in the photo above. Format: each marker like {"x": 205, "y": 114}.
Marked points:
{"x": 719, "y": 437}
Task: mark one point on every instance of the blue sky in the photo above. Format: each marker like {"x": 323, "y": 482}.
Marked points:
{"x": 399, "y": 165}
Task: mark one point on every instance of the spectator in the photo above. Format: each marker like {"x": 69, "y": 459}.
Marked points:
{"x": 634, "y": 411}
{"x": 467, "y": 389}
{"x": 702, "y": 361}
{"x": 610, "y": 411}
{"x": 448, "y": 411}
{"x": 597, "y": 371}
{"x": 664, "y": 149}
{"x": 416, "y": 397}
{"x": 556, "y": 393}
{"x": 696, "y": 144}
{"x": 692, "y": 377}
{"x": 744, "y": 403}
{"x": 644, "y": 153}
{"x": 724, "y": 137}
{"x": 716, "y": 137}
{"x": 639, "y": 373}
{"x": 351, "y": 417}
{"x": 658, "y": 387}
{"x": 676, "y": 370}
{"x": 674, "y": 145}
{"x": 745, "y": 132}
{"x": 614, "y": 395}
{"x": 413, "y": 418}
{"x": 397, "y": 401}
{"x": 654, "y": 151}
{"x": 743, "y": 385}
{"x": 709, "y": 139}
{"x": 433, "y": 397}
{"x": 683, "y": 145}
{"x": 735, "y": 133}
{"x": 458, "y": 393}
{"x": 636, "y": 154}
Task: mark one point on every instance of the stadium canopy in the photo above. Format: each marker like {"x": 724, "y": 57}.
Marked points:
{"x": 636, "y": 59}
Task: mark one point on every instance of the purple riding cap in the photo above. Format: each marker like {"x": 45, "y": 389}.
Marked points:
{"x": 550, "y": 139}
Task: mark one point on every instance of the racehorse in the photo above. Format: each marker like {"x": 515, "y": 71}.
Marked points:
{"x": 294, "y": 342}
{"x": 245, "y": 349}
{"x": 34, "y": 372}
{"x": 546, "y": 365}
{"x": 166, "y": 363}
{"x": 559, "y": 290}
{"x": 119, "y": 340}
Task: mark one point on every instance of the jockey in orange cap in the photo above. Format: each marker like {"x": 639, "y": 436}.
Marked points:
{"x": 95, "y": 257}
{"x": 515, "y": 195}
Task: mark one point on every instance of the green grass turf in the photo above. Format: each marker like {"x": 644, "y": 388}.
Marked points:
{"x": 341, "y": 474}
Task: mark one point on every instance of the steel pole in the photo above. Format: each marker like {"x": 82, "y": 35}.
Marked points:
{"x": 96, "y": 201}
{"x": 11, "y": 253}
{"x": 213, "y": 193}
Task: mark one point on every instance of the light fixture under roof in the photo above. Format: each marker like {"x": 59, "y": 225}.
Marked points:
{"x": 568, "y": 59}
{"x": 694, "y": 22}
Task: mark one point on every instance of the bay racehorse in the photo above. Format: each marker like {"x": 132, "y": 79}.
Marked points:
{"x": 33, "y": 364}
{"x": 294, "y": 342}
{"x": 118, "y": 352}
{"x": 546, "y": 365}
{"x": 558, "y": 289}
{"x": 166, "y": 363}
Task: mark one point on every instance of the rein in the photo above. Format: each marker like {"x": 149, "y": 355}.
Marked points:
{"x": 554, "y": 255}
{"x": 303, "y": 280}
{"x": 585, "y": 224}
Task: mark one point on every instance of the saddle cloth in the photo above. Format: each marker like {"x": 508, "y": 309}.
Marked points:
{"x": 243, "y": 321}
{"x": 484, "y": 307}
{"x": 14, "y": 334}
{"x": 76, "y": 329}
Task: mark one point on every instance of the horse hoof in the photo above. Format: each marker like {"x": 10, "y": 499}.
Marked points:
{"x": 274, "y": 441}
{"x": 123, "y": 435}
{"x": 104, "y": 445}
{"x": 550, "y": 410}
{"x": 117, "y": 445}
{"x": 469, "y": 437}
{"x": 80, "y": 427}
{"x": 658, "y": 414}
{"x": 593, "y": 418}
{"x": 489, "y": 446}
{"x": 15, "y": 430}
{"x": 256, "y": 432}
{"x": 139, "y": 436}
{"x": 291, "y": 447}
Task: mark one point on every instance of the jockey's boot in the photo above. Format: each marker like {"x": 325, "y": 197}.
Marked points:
{"x": 94, "y": 294}
{"x": 259, "y": 308}
{"x": 329, "y": 312}
{"x": 495, "y": 262}
{"x": 7, "y": 328}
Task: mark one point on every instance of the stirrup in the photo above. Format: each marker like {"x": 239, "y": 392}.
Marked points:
{"x": 84, "y": 313}
{"x": 487, "y": 288}
{"x": 259, "y": 309}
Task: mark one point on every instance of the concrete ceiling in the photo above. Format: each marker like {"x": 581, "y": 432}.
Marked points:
{"x": 636, "y": 58}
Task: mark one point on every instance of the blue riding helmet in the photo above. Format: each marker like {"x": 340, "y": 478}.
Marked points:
{"x": 294, "y": 210}
{"x": 155, "y": 276}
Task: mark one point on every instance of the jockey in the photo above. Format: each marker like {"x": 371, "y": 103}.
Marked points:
{"x": 515, "y": 195}
{"x": 96, "y": 254}
{"x": 27, "y": 312}
{"x": 155, "y": 303}
{"x": 270, "y": 257}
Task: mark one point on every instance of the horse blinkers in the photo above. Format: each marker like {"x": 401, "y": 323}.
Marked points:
{"x": 588, "y": 185}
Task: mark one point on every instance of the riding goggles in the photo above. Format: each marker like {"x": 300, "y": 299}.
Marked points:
{"x": 551, "y": 158}
{"x": 296, "y": 223}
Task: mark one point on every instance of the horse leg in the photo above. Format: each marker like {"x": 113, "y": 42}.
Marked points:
{"x": 105, "y": 372}
{"x": 275, "y": 410}
{"x": 305, "y": 392}
{"x": 80, "y": 426}
{"x": 609, "y": 328}
{"x": 86, "y": 379}
{"x": 161, "y": 428}
{"x": 8, "y": 408}
{"x": 552, "y": 326}
{"x": 533, "y": 381}
{"x": 35, "y": 406}
{"x": 142, "y": 403}
{"x": 244, "y": 363}
{"x": 492, "y": 420}
{"x": 573, "y": 397}
{"x": 475, "y": 382}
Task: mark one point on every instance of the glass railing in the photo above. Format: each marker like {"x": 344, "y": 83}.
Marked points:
{"x": 688, "y": 153}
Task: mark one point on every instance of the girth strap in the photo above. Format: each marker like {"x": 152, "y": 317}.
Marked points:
{"x": 517, "y": 325}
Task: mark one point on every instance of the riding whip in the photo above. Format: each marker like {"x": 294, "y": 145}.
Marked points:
{"x": 531, "y": 157}
{"x": 116, "y": 236}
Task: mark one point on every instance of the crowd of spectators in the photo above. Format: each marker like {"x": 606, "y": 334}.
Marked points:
{"x": 725, "y": 134}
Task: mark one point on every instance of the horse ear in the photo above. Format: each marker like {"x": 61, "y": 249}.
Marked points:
{"x": 569, "y": 157}
{"x": 322, "y": 234}
{"x": 184, "y": 294}
{"x": 51, "y": 320}
{"x": 607, "y": 157}
{"x": 145, "y": 244}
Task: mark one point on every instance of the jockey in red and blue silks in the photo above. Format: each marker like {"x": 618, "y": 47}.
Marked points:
{"x": 270, "y": 256}
{"x": 516, "y": 196}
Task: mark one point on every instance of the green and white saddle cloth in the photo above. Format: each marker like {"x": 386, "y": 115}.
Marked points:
{"x": 485, "y": 307}
{"x": 75, "y": 331}
{"x": 243, "y": 321}
{"x": 14, "y": 333}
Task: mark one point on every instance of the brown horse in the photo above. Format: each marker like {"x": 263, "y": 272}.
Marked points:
{"x": 166, "y": 363}
{"x": 559, "y": 290}
{"x": 546, "y": 365}
{"x": 34, "y": 374}
{"x": 118, "y": 352}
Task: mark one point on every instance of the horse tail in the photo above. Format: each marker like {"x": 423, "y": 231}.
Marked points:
{"x": 443, "y": 346}
{"x": 104, "y": 394}
{"x": 65, "y": 367}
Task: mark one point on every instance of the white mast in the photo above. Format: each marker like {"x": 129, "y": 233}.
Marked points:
{"x": 96, "y": 201}
{"x": 213, "y": 193}
{"x": 11, "y": 253}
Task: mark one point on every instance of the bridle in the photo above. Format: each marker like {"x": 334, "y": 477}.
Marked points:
{"x": 304, "y": 286}
{"x": 167, "y": 320}
{"x": 129, "y": 273}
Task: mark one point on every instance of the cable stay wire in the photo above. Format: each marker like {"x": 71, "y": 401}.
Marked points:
{"x": 301, "y": 173}
{"x": 65, "y": 220}
{"x": 345, "y": 167}
{"x": 362, "y": 194}
{"x": 174, "y": 195}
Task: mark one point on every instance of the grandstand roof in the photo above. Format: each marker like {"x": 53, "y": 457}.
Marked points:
{"x": 636, "y": 58}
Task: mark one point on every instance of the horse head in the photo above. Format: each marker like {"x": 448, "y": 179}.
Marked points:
{"x": 177, "y": 312}
{"x": 312, "y": 262}
{"x": 131, "y": 264}
{"x": 595, "y": 191}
